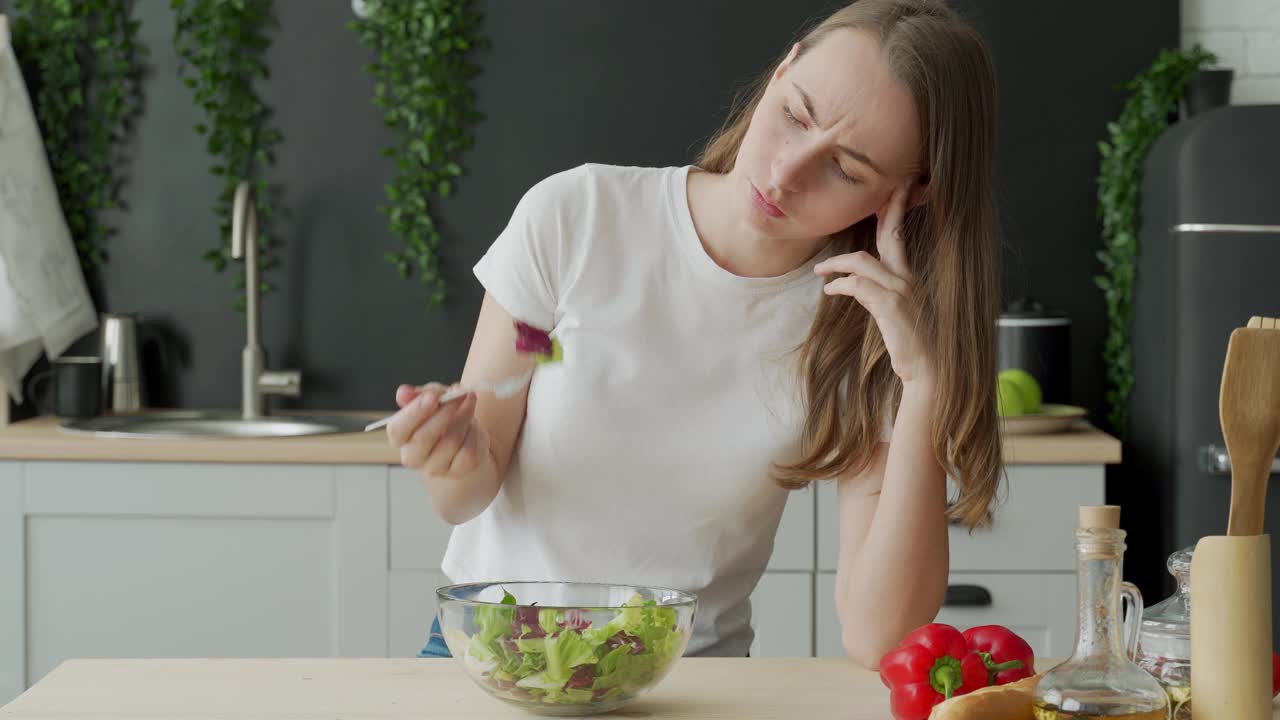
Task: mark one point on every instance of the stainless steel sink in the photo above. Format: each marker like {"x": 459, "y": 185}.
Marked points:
{"x": 252, "y": 420}
{"x": 212, "y": 424}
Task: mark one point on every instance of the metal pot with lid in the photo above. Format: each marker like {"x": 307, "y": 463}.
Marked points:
{"x": 1035, "y": 338}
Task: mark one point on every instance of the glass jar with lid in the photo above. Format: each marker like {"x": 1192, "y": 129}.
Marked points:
{"x": 1164, "y": 642}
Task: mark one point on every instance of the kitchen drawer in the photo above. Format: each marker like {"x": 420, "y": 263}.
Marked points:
{"x": 1040, "y": 607}
{"x": 193, "y": 490}
{"x": 1033, "y": 521}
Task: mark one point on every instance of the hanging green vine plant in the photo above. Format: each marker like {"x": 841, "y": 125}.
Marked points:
{"x": 1154, "y": 96}
{"x": 83, "y": 62}
{"x": 222, "y": 44}
{"x": 422, "y": 75}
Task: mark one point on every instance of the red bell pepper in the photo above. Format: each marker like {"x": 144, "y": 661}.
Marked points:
{"x": 1007, "y": 656}
{"x": 1275, "y": 674}
{"x": 931, "y": 664}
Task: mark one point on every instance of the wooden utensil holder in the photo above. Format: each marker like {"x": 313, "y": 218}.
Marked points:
{"x": 1231, "y": 628}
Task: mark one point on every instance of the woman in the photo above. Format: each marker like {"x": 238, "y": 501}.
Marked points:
{"x": 815, "y": 299}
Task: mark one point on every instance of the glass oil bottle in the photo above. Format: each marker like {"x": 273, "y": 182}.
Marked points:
{"x": 1100, "y": 679}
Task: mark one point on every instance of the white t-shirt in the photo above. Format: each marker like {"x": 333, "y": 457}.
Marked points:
{"x": 645, "y": 455}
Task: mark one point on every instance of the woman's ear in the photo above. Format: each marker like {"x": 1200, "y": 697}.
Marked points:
{"x": 919, "y": 194}
{"x": 786, "y": 62}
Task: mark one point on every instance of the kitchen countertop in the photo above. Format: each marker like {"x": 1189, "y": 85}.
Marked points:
{"x": 814, "y": 688}
{"x": 41, "y": 439}
{"x": 311, "y": 689}
{"x": 387, "y": 689}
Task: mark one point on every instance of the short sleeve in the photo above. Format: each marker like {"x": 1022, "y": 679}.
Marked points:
{"x": 522, "y": 269}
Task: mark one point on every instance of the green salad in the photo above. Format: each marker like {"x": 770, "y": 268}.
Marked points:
{"x": 555, "y": 655}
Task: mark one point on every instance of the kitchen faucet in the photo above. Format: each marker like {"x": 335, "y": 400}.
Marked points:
{"x": 255, "y": 380}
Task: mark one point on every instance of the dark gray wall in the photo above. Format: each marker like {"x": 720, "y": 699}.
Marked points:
{"x": 566, "y": 81}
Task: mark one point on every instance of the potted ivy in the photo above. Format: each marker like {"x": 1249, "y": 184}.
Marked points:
{"x": 1154, "y": 96}
{"x": 84, "y": 64}
{"x": 422, "y": 73}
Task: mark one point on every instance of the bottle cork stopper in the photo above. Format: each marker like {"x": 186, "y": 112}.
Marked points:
{"x": 1100, "y": 516}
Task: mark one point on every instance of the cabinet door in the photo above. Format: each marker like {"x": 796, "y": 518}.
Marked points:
{"x": 782, "y": 615}
{"x": 411, "y": 595}
{"x": 794, "y": 546}
{"x": 13, "y": 591}
{"x": 418, "y": 541}
{"x": 782, "y": 603}
{"x": 1038, "y": 606}
{"x": 208, "y": 560}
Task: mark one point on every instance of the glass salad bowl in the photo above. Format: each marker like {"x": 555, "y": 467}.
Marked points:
{"x": 561, "y": 648}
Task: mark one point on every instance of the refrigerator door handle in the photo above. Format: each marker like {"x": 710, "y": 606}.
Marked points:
{"x": 1215, "y": 461}
{"x": 1223, "y": 228}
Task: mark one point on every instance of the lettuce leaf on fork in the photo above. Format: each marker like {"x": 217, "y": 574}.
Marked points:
{"x": 530, "y": 339}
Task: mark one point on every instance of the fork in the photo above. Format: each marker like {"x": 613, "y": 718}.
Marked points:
{"x": 501, "y": 389}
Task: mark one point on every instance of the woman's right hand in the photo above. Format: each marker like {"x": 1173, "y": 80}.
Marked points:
{"x": 440, "y": 440}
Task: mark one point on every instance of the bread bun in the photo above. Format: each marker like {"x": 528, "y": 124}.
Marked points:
{"x": 997, "y": 702}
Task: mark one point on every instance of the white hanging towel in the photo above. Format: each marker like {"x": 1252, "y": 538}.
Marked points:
{"x": 44, "y": 304}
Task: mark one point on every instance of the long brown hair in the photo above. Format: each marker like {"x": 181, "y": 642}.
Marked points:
{"x": 951, "y": 246}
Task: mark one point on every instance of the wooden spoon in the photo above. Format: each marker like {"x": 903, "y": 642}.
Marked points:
{"x": 1249, "y": 409}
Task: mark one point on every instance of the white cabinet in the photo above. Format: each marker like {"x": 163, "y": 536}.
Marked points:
{"x": 418, "y": 539}
{"x": 178, "y": 560}
{"x": 1033, "y": 521}
{"x": 13, "y": 591}
{"x": 782, "y": 604}
{"x": 149, "y": 559}
{"x": 793, "y": 547}
{"x": 1038, "y": 606}
{"x": 782, "y": 615}
{"x": 1022, "y": 567}
{"x": 411, "y": 596}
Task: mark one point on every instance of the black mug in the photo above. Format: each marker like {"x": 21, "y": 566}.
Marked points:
{"x": 77, "y": 387}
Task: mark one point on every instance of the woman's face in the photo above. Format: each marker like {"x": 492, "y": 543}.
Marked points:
{"x": 833, "y": 136}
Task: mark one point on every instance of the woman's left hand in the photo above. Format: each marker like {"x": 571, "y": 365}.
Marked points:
{"x": 883, "y": 287}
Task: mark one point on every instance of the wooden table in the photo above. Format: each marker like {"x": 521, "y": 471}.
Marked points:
{"x": 400, "y": 689}
{"x": 311, "y": 689}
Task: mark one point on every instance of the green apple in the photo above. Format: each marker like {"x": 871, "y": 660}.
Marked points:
{"x": 1027, "y": 386}
{"x": 1008, "y": 398}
